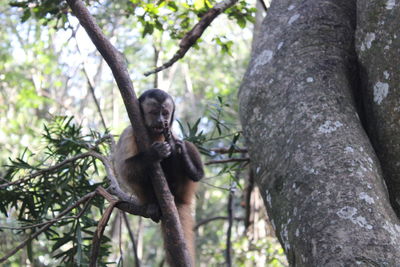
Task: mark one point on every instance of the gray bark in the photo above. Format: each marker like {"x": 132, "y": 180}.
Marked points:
{"x": 317, "y": 171}
{"x": 378, "y": 48}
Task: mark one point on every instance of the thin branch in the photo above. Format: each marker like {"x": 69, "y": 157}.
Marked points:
{"x": 194, "y": 34}
{"x": 132, "y": 237}
{"x": 208, "y": 220}
{"x": 43, "y": 171}
{"x": 89, "y": 81}
{"x": 104, "y": 138}
{"x": 265, "y": 8}
{"x": 101, "y": 226}
{"x": 226, "y": 150}
{"x": 248, "y": 191}
{"x": 230, "y": 223}
{"x": 222, "y": 161}
{"x": 83, "y": 199}
{"x": 61, "y": 164}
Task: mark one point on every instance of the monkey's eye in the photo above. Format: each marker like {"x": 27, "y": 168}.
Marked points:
{"x": 165, "y": 113}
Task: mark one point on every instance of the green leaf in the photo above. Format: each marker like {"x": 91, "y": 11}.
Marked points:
{"x": 148, "y": 29}
{"x": 29, "y": 251}
{"x": 241, "y": 20}
{"x": 199, "y": 4}
{"x": 172, "y": 5}
{"x": 60, "y": 242}
{"x": 26, "y": 15}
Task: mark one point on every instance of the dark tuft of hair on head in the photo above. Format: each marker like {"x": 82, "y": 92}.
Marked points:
{"x": 156, "y": 94}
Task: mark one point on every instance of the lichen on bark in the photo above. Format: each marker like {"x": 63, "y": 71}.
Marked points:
{"x": 320, "y": 178}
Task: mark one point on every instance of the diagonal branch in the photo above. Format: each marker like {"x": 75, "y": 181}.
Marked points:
{"x": 228, "y": 150}
{"x": 194, "y": 34}
{"x": 116, "y": 61}
{"x": 101, "y": 226}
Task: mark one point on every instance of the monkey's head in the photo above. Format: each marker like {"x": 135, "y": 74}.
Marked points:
{"x": 157, "y": 109}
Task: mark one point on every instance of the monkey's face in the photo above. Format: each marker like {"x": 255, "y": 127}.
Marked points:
{"x": 156, "y": 115}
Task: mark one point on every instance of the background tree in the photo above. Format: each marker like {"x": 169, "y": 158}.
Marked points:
{"x": 88, "y": 94}
{"x": 321, "y": 129}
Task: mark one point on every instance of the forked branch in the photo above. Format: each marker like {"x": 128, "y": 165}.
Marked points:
{"x": 194, "y": 34}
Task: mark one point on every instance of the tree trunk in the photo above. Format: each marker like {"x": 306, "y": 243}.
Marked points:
{"x": 378, "y": 48}
{"x": 317, "y": 171}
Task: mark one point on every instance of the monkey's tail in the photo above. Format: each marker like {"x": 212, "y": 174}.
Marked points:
{"x": 187, "y": 222}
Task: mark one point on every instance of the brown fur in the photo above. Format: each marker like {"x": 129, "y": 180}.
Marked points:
{"x": 134, "y": 177}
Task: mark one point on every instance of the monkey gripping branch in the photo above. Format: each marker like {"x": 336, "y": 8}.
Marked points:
{"x": 175, "y": 238}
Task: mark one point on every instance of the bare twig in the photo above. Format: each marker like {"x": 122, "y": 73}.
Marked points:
{"x": 248, "y": 191}
{"x": 104, "y": 138}
{"x": 91, "y": 86}
{"x": 83, "y": 199}
{"x": 221, "y": 161}
{"x": 230, "y": 223}
{"x": 194, "y": 34}
{"x": 264, "y": 6}
{"x": 116, "y": 61}
{"x": 226, "y": 150}
{"x": 101, "y": 226}
{"x": 132, "y": 237}
{"x": 208, "y": 220}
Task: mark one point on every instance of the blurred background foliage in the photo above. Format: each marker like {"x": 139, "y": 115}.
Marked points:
{"x": 51, "y": 77}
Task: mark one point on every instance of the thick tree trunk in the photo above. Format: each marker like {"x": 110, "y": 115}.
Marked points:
{"x": 314, "y": 164}
{"x": 378, "y": 48}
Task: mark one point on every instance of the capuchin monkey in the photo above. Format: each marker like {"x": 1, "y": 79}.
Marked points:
{"x": 180, "y": 161}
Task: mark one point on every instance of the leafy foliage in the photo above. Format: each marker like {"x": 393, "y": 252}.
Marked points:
{"x": 42, "y": 197}
{"x": 173, "y": 17}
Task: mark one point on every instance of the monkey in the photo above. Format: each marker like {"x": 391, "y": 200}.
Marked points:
{"x": 180, "y": 161}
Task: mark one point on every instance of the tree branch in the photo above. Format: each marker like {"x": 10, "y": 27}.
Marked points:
{"x": 208, "y": 220}
{"x": 226, "y": 150}
{"x": 230, "y": 223}
{"x": 265, "y": 8}
{"x": 84, "y": 199}
{"x": 61, "y": 164}
{"x": 43, "y": 171}
{"x": 175, "y": 238}
{"x": 101, "y": 226}
{"x": 194, "y": 34}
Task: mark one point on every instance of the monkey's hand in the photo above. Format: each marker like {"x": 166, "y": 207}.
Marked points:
{"x": 161, "y": 150}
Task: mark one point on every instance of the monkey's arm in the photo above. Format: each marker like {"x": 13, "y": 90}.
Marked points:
{"x": 191, "y": 160}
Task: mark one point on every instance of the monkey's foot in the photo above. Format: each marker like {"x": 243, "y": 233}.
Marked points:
{"x": 154, "y": 212}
